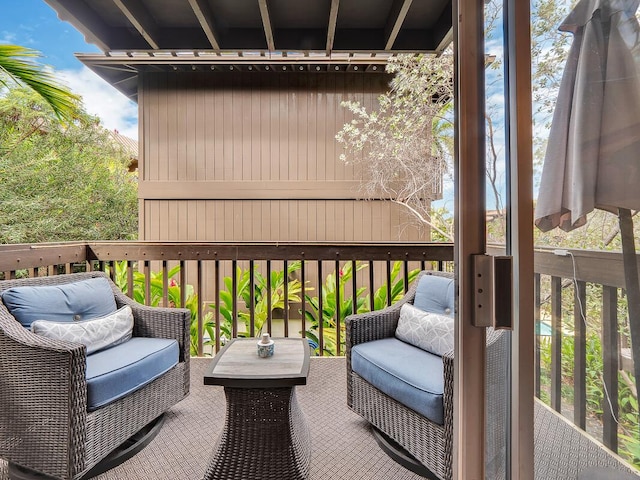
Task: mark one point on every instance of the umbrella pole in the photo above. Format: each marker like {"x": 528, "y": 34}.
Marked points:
{"x": 633, "y": 287}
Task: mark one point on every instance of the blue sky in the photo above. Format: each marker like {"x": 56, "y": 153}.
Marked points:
{"x": 33, "y": 24}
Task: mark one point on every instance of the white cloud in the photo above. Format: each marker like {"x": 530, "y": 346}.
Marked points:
{"x": 7, "y": 37}
{"x": 115, "y": 110}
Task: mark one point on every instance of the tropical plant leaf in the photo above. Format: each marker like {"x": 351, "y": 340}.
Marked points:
{"x": 18, "y": 64}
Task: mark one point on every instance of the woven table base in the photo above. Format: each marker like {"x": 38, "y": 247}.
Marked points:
{"x": 265, "y": 436}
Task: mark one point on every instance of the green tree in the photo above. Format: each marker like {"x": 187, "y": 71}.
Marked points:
{"x": 18, "y": 65}
{"x": 61, "y": 182}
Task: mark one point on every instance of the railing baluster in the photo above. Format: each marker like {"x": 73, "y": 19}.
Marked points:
{"x": 234, "y": 298}
{"x": 372, "y": 290}
{"x": 286, "y": 298}
{"x": 354, "y": 287}
{"x": 388, "y": 283}
{"x": 199, "y": 314}
{"x": 147, "y": 282}
{"x": 165, "y": 284}
{"x": 580, "y": 355}
{"x": 216, "y": 299}
{"x": 320, "y": 310}
{"x": 303, "y": 299}
{"x": 269, "y": 313}
{"x": 536, "y": 286}
{"x": 183, "y": 284}
{"x": 610, "y": 366}
{"x": 406, "y": 275}
{"x": 109, "y": 266}
{"x": 338, "y": 309}
{"x": 130, "y": 278}
{"x": 252, "y": 300}
{"x": 556, "y": 343}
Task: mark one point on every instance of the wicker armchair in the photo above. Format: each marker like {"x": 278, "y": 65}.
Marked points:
{"x": 429, "y": 443}
{"x": 44, "y": 421}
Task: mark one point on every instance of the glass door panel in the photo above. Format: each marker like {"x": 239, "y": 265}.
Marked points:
{"x": 586, "y": 114}
{"x": 497, "y": 371}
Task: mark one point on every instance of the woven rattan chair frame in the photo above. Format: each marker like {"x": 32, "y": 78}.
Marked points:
{"x": 430, "y": 443}
{"x": 44, "y": 422}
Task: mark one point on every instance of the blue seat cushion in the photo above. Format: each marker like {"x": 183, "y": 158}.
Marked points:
{"x": 68, "y": 302}
{"x": 435, "y": 294}
{"x": 406, "y": 373}
{"x": 122, "y": 369}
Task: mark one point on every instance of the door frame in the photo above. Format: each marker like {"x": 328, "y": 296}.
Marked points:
{"x": 470, "y": 239}
{"x": 520, "y": 233}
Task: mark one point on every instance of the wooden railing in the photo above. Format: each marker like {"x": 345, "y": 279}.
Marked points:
{"x": 209, "y": 271}
{"x": 566, "y": 284}
{"x": 561, "y": 282}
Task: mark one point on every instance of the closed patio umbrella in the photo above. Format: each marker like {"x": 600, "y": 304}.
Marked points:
{"x": 593, "y": 154}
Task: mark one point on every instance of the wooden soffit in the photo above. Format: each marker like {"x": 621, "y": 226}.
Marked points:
{"x": 178, "y": 34}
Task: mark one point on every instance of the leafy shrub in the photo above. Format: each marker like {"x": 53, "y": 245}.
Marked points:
{"x": 329, "y": 318}
{"x": 261, "y": 299}
{"x": 330, "y": 291}
{"x": 173, "y": 298}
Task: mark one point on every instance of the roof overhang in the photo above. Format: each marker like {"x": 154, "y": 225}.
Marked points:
{"x": 121, "y": 69}
{"x": 175, "y": 34}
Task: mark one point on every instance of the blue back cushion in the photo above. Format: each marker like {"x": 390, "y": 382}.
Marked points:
{"x": 436, "y": 295}
{"x": 68, "y": 302}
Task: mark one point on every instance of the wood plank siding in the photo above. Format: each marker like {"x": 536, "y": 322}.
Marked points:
{"x": 274, "y": 220}
{"x": 252, "y": 156}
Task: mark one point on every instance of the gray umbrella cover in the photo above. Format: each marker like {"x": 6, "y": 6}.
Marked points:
{"x": 593, "y": 153}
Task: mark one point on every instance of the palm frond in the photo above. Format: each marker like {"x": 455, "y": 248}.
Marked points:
{"x": 19, "y": 64}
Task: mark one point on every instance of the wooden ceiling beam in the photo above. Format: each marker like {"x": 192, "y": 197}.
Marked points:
{"x": 120, "y": 68}
{"x": 443, "y": 29}
{"x": 266, "y": 23}
{"x": 141, "y": 19}
{"x": 397, "y": 15}
{"x": 125, "y": 79}
{"x": 205, "y": 17}
{"x": 333, "y": 20}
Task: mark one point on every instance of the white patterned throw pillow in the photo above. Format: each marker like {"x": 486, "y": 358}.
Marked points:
{"x": 425, "y": 330}
{"x": 96, "y": 334}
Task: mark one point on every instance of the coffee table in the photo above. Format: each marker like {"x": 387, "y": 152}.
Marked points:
{"x": 265, "y": 434}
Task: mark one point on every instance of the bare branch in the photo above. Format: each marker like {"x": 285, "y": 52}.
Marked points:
{"x": 405, "y": 146}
